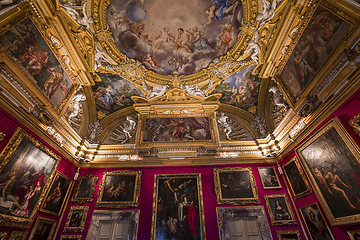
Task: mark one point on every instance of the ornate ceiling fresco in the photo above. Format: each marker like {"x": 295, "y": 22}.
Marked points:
{"x": 156, "y": 79}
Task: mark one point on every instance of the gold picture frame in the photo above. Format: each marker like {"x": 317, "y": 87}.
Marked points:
{"x": 298, "y": 182}
{"x": 280, "y": 234}
{"x": 355, "y": 124}
{"x": 279, "y": 209}
{"x": 15, "y": 235}
{"x": 17, "y": 153}
{"x": 111, "y": 188}
{"x": 39, "y": 226}
{"x": 189, "y": 189}
{"x": 72, "y": 237}
{"x": 235, "y": 186}
{"x": 269, "y": 177}
{"x": 3, "y": 235}
{"x": 85, "y": 189}
{"x": 331, "y": 153}
{"x": 354, "y": 234}
{"x": 76, "y": 224}
{"x": 2, "y": 136}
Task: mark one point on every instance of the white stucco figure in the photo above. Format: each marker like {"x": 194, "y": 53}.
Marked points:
{"x": 75, "y": 105}
{"x": 223, "y": 121}
{"x": 195, "y": 90}
{"x": 99, "y": 58}
{"x": 128, "y": 127}
{"x": 157, "y": 91}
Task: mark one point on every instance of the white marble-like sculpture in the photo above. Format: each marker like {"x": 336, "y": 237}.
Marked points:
{"x": 128, "y": 127}
{"x": 76, "y": 103}
{"x": 260, "y": 126}
{"x": 277, "y": 96}
{"x": 94, "y": 130}
{"x": 223, "y": 121}
{"x": 268, "y": 11}
{"x": 99, "y": 58}
{"x": 157, "y": 91}
{"x": 72, "y": 10}
{"x": 254, "y": 48}
{"x": 195, "y": 90}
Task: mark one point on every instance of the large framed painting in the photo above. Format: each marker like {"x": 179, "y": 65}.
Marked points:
{"x": 70, "y": 237}
{"x": 319, "y": 38}
{"x": 32, "y": 55}
{"x": 235, "y": 186}
{"x": 296, "y": 177}
{"x": 172, "y": 130}
{"x": 288, "y": 235}
{"x": 76, "y": 219}
{"x": 26, "y": 170}
{"x": 178, "y": 211}
{"x": 119, "y": 189}
{"x": 85, "y": 189}
{"x": 279, "y": 209}
{"x": 43, "y": 229}
{"x": 57, "y": 194}
{"x": 331, "y": 160}
{"x": 316, "y": 223}
{"x": 269, "y": 178}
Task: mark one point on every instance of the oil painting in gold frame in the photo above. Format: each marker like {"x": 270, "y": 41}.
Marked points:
{"x": 70, "y": 237}
{"x": 269, "y": 178}
{"x": 85, "y": 189}
{"x": 296, "y": 177}
{"x": 235, "y": 186}
{"x": 279, "y": 209}
{"x": 119, "y": 189}
{"x": 288, "y": 234}
{"x": 75, "y": 221}
{"x": 331, "y": 159}
{"x": 43, "y": 229}
{"x": 17, "y": 235}
{"x": 29, "y": 163}
{"x": 178, "y": 200}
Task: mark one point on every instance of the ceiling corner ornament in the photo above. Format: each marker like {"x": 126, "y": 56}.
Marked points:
{"x": 279, "y": 104}
{"x": 73, "y": 10}
{"x": 75, "y": 105}
{"x": 94, "y": 130}
{"x": 2, "y": 136}
{"x": 223, "y": 121}
{"x": 260, "y": 126}
{"x": 355, "y": 124}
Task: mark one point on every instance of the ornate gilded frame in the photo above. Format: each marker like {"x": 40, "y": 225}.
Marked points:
{"x": 75, "y": 237}
{"x": 352, "y": 233}
{"x": 279, "y": 233}
{"x": 44, "y": 220}
{"x": 80, "y": 228}
{"x": 81, "y": 200}
{"x": 2, "y": 136}
{"x": 303, "y": 177}
{"x": 3, "y": 235}
{"x": 16, "y": 234}
{"x": 196, "y": 176}
{"x": 355, "y": 124}
{"x": 120, "y": 204}
{"x": 262, "y": 179}
{"x": 235, "y": 201}
{"x": 271, "y": 214}
{"x": 351, "y": 148}
{"x": 185, "y": 143}
{"x": 7, "y": 152}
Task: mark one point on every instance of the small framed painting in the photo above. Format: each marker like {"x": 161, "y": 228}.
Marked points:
{"x": 17, "y": 235}
{"x": 76, "y": 219}
{"x": 288, "y": 235}
{"x": 85, "y": 189}
{"x": 279, "y": 209}
{"x": 43, "y": 229}
{"x": 70, "y": 237}
{"x": 269, "y": 178}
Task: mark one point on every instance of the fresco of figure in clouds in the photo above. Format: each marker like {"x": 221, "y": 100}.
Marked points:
{"x": 158, "y": 32}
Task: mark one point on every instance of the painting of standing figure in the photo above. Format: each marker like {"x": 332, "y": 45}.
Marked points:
{"x": 178, "y": 208}
{"x": 29, "y": 49}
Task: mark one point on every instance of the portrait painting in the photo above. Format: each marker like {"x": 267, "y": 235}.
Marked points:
{"x": 322, "y": 35}
{"x": 114, "y": 93}
{"x": 297, "y": 179}
{"x": 27, "y": 167}
{"x": 3, "y": 235}
{"x": 316, "y": 223}
{"x": 17, "y": 235}
{"x": 31, "y": 53}
{"x": 178, "y": 207}
{"x": 70, "y": 237}
{"x": 175, "y": 37}
{"x": 76, "y": 219}
{"x": 288, "y": 235}
{"x": 354, "y": 234}
{"x": 119, "y": 189}
{"x": 279, "y": 209}
{"x": 331, "y": 160}
{"x": 43, "y": 229}
{"x": 269, "y": 178}
{"x": 55, "y": 198}
{"x": 85, "y": 189}
{"x": 235, "y": 186}
{"x": 241, "y": 89}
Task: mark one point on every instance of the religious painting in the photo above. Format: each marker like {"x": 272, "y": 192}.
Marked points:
{"x": 3, "y": 235}
{"x": 269, "y": 178}
{"x": 316, "y": 223}
{"x": 85, "y": 189}
{"x": 114, "y": 93}
{"x": 279, "y": 209}
{"x": 76, "y": 219}
{"x": 174, "y": 37}
{"x": 178, "y": 211}
{"x": 322, "y": 35}
{"x": 288, "y": 235}
{"x": 354, "y": 234}
{"x": 27, "y": 168}
{"x": 235, "y": 186}
{"x": 297, "y": 179}
{"x": 17, "y": 235}
{"x": 119, "y": 189}
{"x": 43, "y": 229}
{"x": 56, "y": 196}
{"x": 241, "y": 90}
{"x": 30, "y": 52}
{"x": 70, "y": 237}
{"x": 331, "y": 160}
